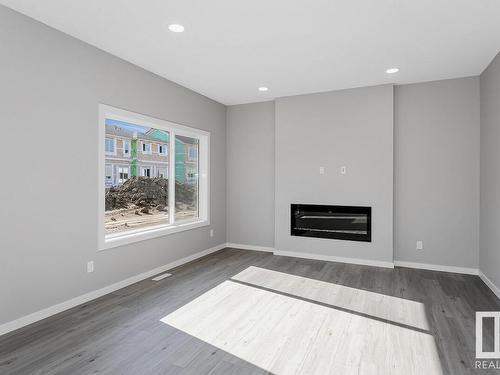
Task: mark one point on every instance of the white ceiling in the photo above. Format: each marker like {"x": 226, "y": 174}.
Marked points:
{"x": 232, "y": 47}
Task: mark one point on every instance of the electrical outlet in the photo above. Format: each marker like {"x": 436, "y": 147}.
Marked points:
{"x": 321, "y": 170}
{"x": 90, "y": 266}
{"x": 420, "y": 245}
{"x": 343, "y": 170}
{"x": 211, "y": 232}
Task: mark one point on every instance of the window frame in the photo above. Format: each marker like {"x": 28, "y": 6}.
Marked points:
{"x": 150, "y": 152}
{"x": 158, "y": 172}
{"x": 129, "y": 148}
{"x": 111, "y": 166}
{"x": 118, "y": 173}
{"x": 162, "y": 149}
{"x": 192, "y": 148}
{"x": 148, "y": 167}
{"x": 119, "y": 239}
{"x": 110, "y": 153}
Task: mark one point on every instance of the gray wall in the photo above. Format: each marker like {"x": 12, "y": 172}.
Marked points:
{"x": 489, "y": 254}
{"x": 349, "y": 127}
{"x": 436, "y": 172}
{"x": 250, "y": 174}
{"x": 50, "y": 88}
{"x": 436, "y": 169}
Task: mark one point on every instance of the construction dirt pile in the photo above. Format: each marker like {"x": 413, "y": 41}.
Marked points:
{"x": 145, "y": 192}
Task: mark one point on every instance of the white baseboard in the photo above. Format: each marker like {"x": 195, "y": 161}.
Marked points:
{"x": 250, "y": 247}
{"x": 437, "y": 267}
{"x": 55, "y": 309}
{"x": 490, "y": 284}
{"x": 330, "y": 258}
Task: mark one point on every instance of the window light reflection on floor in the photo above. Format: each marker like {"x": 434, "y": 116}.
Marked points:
{"x": 285, "y": 324}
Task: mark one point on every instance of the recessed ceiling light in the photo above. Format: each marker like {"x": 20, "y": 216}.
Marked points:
{"x": 392, "y": 70}
{"x": 176, "y": 28}
{"x": 263, "y": 88}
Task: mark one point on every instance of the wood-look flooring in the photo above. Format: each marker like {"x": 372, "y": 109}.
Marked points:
{"x": 247, "y": 312}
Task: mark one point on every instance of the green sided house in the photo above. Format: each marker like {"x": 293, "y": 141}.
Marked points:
{"x": 186, "y": 152}
{"x": 133, "y": 150}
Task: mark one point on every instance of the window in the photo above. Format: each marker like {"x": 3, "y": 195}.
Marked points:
{"x": 146, "y": 171}
{"x": 146, "y": 148}
{"x": 123, "y": 174}
{"x": 162, "y": 149}
{"x": 193, "y": 153}
{"x": 162, "y": 172}
{"x": 126, "y": 147}
{"x": 186, "y": 177}
{"x": 110, "y": 146}
{"x": 146, "y": 198}
{"x": 108, "y": 176}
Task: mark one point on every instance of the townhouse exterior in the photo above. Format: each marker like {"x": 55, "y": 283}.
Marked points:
{"x": 147, "y": 154}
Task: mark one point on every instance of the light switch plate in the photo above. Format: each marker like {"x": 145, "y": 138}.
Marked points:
{"x": 343, "y": 170}
{"x": 420, "y": 245}
{"x": 321, "y": 170}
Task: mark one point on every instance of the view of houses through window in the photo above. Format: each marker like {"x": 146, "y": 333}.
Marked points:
{"x": 137, "y": 161}
{"x": 186, "y": 176}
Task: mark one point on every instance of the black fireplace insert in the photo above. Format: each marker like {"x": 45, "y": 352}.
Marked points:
{"x": 351, "y": 223}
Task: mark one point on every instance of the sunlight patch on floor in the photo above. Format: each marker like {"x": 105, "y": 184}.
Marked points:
{"x": 377, "y": 305}
{"x": 284, "y": 335}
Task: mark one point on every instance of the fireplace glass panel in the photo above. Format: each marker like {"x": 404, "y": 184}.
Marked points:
{"x": 337, "y": 222}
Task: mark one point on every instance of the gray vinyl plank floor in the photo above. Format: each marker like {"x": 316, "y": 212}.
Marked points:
{"x": 248, "y": 312}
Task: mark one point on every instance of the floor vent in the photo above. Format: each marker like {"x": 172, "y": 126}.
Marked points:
{"x": 161, "y": 277}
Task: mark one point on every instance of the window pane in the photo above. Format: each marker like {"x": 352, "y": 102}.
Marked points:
{"x": 186, "y": 178}
{"x": 193, "y": 153}
{"x": 135, "y": 196}
{"x": 162, "y": 172}
{"x": 110, "y": 145}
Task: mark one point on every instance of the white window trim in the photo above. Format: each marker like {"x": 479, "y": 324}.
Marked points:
{"x": 158, "y": 171}
{"x": 112, "y": 173}
{"x": 118, "y": 172}
{"x": 189, "y": 158}
{"x": 120, "y": 239}
{"x": 129, "y": 148}
{"x": 150, "y": 148}
{"x": 114, "y": 146}
{"x": 151, "y": 170}
{"x": 165, "y": 148}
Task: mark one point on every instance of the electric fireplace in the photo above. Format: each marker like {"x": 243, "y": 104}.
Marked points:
{"x": 351, "y": 223}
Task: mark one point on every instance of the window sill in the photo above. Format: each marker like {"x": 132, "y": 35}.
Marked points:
{"x": 116, "y": 240}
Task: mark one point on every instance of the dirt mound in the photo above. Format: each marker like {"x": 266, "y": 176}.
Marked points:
{"x": 140, "y": 191}
{"x": 148, "y": 192}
